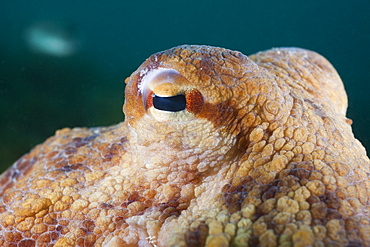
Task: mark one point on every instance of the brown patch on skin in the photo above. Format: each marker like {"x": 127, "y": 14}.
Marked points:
{"x": 25, "y": 166}
{"x": 21, "y": 168}
{"x": 349, "y": 121}
{"x": 27, "y": 243}
{"x": 235, "y": 193}
{"x": 218, "y": 114}
{"x": 194, "y": 101}
{"x": 198, "y": 236}
{"x": 6, "y": 181}
{"x": 133, "y": 101}
{"x": 149, "y": 100}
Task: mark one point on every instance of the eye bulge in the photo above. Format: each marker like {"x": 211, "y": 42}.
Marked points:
{"x": 168, "y": 95}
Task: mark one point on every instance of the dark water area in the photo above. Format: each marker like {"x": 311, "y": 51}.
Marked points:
{"x": 77, "y": 80}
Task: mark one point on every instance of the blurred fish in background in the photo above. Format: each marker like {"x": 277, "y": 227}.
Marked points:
{"x": 53, "y": 38}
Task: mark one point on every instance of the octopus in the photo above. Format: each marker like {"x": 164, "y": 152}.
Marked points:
{"x": 217, "y": 149}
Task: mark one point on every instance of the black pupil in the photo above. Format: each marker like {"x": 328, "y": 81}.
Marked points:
{"x": 173, "y": 103}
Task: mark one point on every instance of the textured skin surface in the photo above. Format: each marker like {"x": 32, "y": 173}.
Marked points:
{"x": 264, "y": 157}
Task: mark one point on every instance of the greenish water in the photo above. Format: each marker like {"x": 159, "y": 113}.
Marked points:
{"x": 40, "y": 93}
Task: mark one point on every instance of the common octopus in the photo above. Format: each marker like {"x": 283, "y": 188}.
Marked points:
{"x": 217, "y": 149}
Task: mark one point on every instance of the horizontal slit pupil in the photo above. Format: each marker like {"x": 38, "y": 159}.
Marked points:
{"x": 172, "y": 103}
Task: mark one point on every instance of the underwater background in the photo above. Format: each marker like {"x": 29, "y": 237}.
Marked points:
{"x": 63, "y": 63}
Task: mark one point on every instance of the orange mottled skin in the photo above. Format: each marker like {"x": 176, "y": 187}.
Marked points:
{"x": 262, "y": 155}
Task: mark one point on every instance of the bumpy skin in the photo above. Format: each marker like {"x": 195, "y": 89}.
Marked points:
{"x": 265, "y": 157}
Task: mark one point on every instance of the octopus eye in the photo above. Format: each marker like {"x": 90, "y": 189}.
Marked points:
{"x": 192, "y": 101}
{"x": 167, "y": 95}
{"x": 172, "y": 103}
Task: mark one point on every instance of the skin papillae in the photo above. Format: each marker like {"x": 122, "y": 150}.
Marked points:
{"x": 262, "y": 155}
